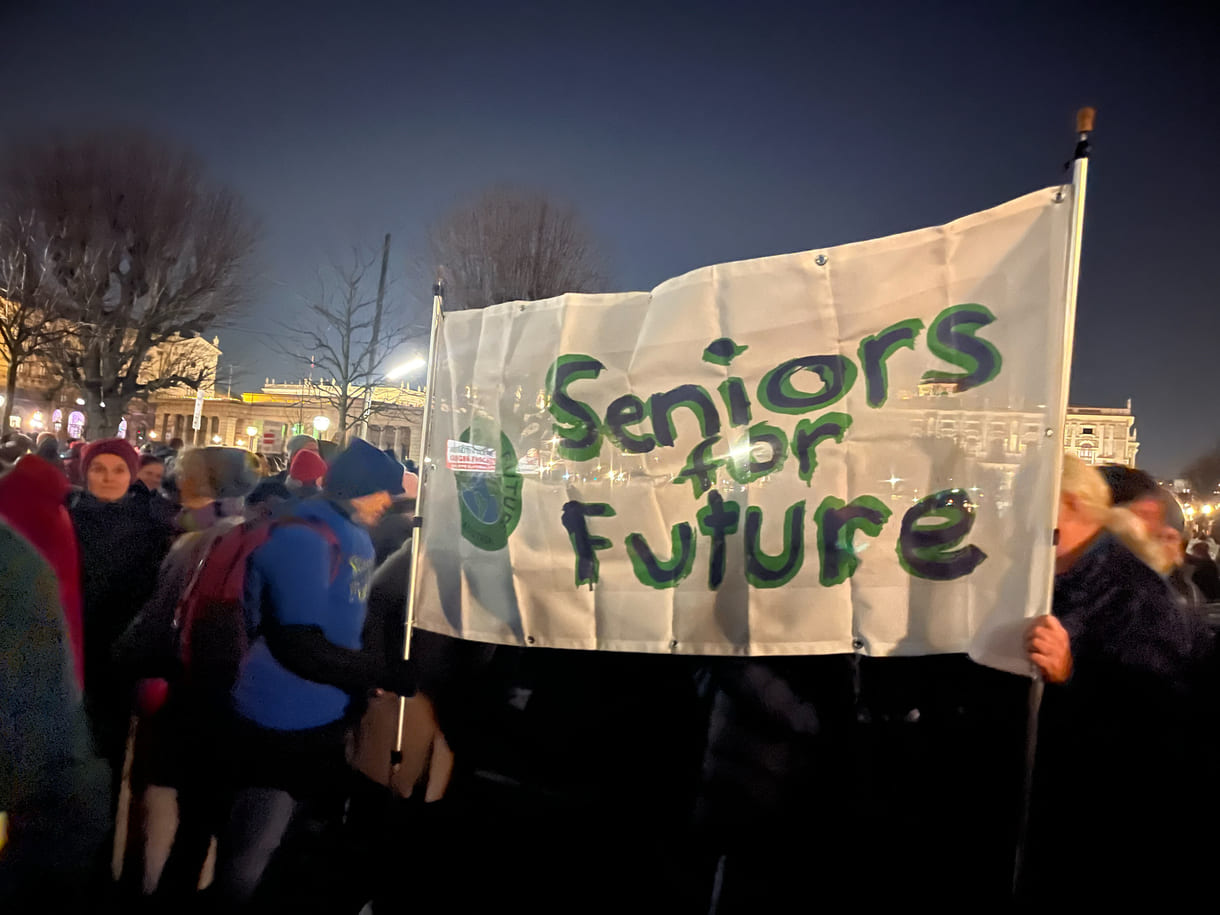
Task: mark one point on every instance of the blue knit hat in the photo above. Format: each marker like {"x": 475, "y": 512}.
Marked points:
{"x": 361, "y": 470}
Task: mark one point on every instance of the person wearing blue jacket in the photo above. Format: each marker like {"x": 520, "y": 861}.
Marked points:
{"x": 306, "y": 594}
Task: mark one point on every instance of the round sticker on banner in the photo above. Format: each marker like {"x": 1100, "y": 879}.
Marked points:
{"x": 489, "y": 498}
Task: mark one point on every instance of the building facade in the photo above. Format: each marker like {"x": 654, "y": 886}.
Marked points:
{"x": 44, "y": 403}
{"x": 1102, "y": 435}
{"x": 266, "y": 419}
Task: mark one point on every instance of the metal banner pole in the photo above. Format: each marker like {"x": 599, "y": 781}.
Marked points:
{"x": 438, "y": 318}
{"x": 1080, "y": 173}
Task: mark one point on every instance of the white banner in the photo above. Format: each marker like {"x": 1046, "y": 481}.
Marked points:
{"x": 848, "y": 449}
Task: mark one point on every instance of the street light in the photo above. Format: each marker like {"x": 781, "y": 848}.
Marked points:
{"x": 216, "y": 439}
{"x": 251, "y": 431}
{"x": 404, "y": 368}
{"x": 1207, "y": 509}
{"x": 321, "y": 424}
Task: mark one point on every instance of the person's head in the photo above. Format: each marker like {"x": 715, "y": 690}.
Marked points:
{"x": 151, "y": 472}
{"x": 107, "y": 467}
{"x": 15, "y": 445}
{"x": 307, "y": 468}
{"x": 1200, "y": 550}
{"x": 1136, "y": 491}
{"x": 48, "y": 448}
{"x": 1084, "y": 505}
{"x": 176, "y": 444}
{"x": 364, "y": 478}
{"x": 212, "y": 474}
{"x": 1162, "y": 523}
{"x": 301, "y": 443}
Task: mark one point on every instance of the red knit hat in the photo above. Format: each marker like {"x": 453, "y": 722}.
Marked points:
{"x": 116, "y": 446}
{"x": 306, "y": 467}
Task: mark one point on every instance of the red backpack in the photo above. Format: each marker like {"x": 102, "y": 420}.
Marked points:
{"x": 210, "y": 617}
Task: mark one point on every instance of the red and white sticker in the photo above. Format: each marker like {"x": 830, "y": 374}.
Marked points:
{"x": 470, "y": 458}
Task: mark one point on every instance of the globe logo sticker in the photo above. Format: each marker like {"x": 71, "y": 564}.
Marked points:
{"x": 489, "y": 487}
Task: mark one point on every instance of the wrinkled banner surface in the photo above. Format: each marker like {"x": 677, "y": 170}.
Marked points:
{"x": 847, "y": 449}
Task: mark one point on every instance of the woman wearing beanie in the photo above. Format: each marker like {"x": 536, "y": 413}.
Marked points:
{"x": 305, "y": 474}
{"x": 121, "y": 547}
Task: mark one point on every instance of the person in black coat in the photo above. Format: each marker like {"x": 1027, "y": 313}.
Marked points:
{"x": 1116, "y": 810}
{"x": 121, "y": 546}
{"x": 1203, "y": 572}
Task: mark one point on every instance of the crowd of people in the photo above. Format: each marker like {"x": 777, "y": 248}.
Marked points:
{"x": 202, "y": 683}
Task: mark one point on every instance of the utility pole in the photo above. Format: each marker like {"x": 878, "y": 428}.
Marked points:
{"x": 368, "y": 381}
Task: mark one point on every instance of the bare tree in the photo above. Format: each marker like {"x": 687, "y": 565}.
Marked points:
{"x": 141, "y": 251}
{"x": 1204, "y": 472}
{"x": 30, "y": 314}
{"x": 514, "y": 244}
{"x": 340, "y": 338}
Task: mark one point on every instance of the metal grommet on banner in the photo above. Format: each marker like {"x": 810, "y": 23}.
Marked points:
{"x": 673, "y": 645}
{"x": 529, "y": 640}
{"x": 821, "y": 260}
{"x": 857, "y": 644}
{"x": 1050, "y": 433}
{"x": 1060, "y": 196}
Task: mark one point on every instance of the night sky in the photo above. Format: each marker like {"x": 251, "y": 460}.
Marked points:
{"x": 687, "y": 135}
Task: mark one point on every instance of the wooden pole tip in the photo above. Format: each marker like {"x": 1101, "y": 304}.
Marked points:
{"x": 1084, "y": 120}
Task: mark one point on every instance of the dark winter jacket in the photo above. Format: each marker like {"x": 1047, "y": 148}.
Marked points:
{"x": 160, "y": 509}
{"x": 41, "y": 725}
{"x": 1118, "y": 774}
{"x": 1205, "y": 575}
{"x": 121, "y": 548}
{"x": 50, "y": 784}
{"x": 393, "y": 530}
